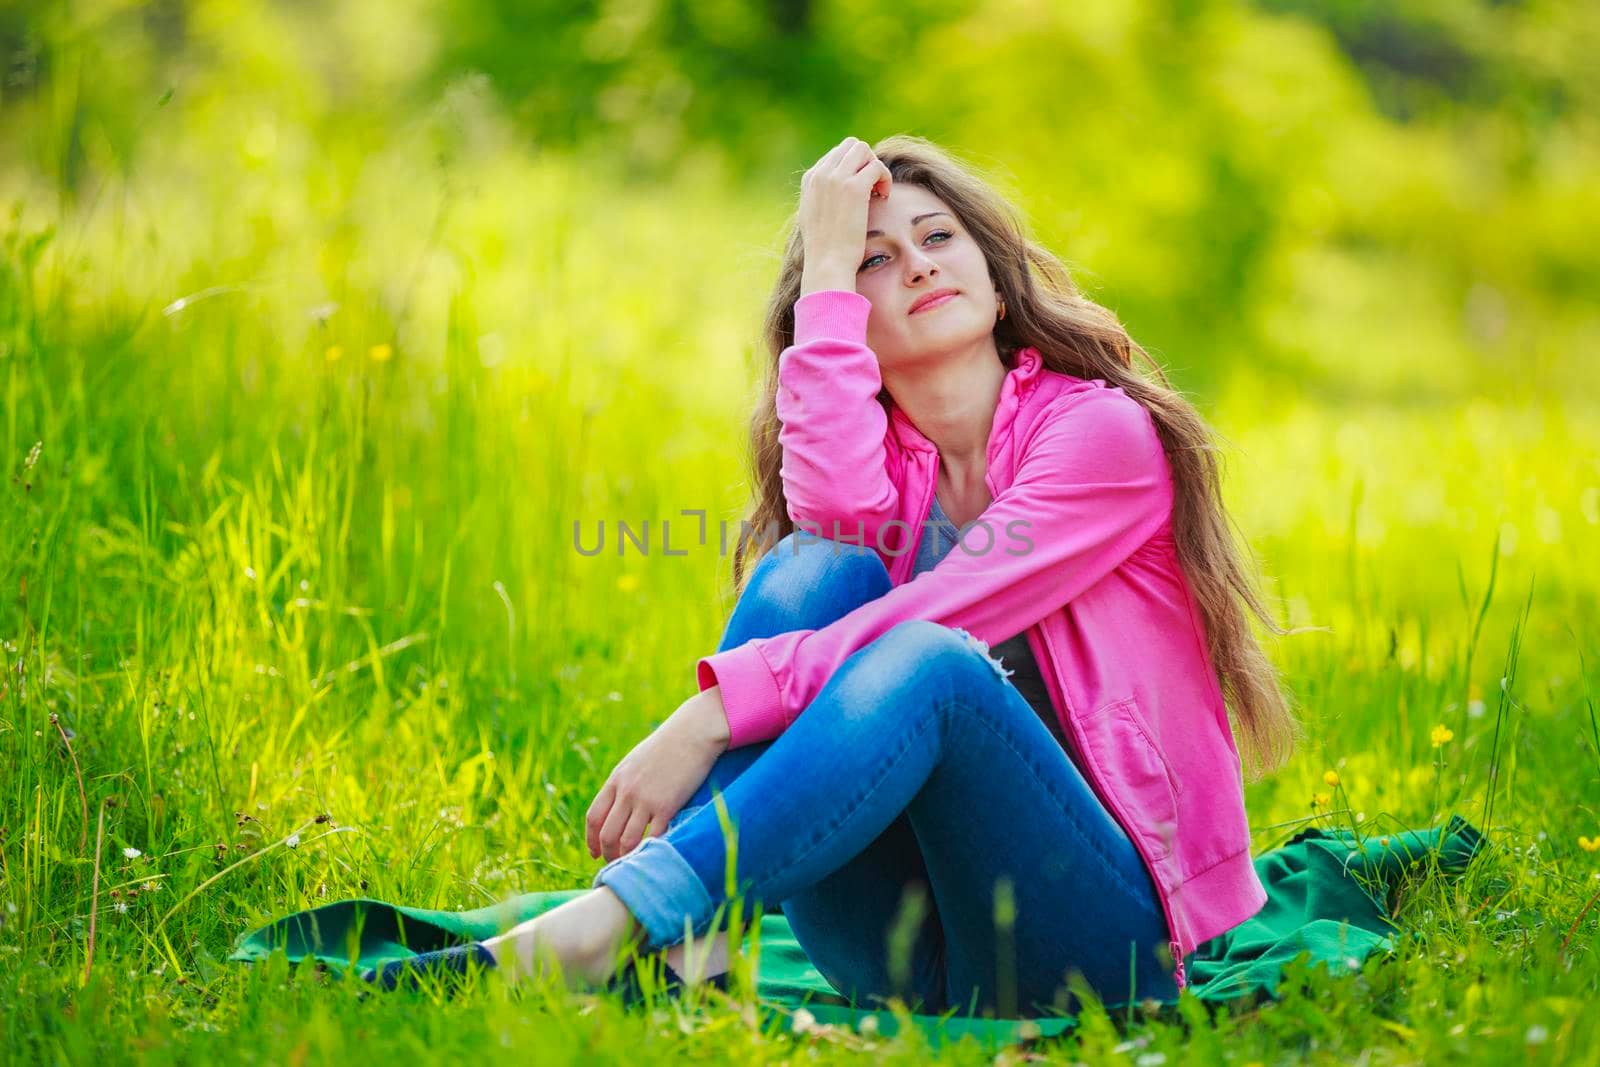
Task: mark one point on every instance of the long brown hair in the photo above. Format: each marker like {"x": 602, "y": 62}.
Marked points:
{"x": 1076, "y": 336}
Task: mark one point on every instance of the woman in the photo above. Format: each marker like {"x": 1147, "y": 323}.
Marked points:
{"x": 961, "y": 827}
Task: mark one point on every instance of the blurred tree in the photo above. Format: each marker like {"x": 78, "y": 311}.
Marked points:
{"x": 762, "y": 80}
{"x": 1280, "y": 184}
{"x": 1424, "y": 57}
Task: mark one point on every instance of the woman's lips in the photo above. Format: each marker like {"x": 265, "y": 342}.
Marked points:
{"x": 935, "y": 302}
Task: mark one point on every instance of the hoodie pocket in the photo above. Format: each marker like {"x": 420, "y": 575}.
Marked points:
{"x": 1135, "y": 773}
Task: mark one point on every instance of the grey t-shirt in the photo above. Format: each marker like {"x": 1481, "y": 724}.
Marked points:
{"x": 937, "y": 541}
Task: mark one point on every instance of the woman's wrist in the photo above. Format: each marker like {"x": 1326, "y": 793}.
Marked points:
{"x": 827, "y": 277}
{"x": 706, "y": 717}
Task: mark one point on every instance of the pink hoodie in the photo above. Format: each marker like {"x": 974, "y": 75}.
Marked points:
{"x": 1082, "y": 558}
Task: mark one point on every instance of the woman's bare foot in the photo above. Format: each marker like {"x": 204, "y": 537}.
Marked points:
{"x": 581, "y": 937}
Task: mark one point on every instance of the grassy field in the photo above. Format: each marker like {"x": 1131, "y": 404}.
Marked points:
{"x": 292, "y": 458}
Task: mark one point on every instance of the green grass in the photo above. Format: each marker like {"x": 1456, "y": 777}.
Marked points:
{"x": 302, "y": 544}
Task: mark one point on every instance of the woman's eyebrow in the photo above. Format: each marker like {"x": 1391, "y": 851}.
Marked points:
{"x": 919, "y": 218}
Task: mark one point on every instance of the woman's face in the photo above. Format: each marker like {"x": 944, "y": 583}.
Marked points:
{"x": 916, "y": 246}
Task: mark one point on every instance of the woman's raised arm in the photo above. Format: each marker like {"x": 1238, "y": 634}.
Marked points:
{"x": 832, "y": 427}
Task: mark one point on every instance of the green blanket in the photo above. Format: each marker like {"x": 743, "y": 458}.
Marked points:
{"x": 1326, "y": 894}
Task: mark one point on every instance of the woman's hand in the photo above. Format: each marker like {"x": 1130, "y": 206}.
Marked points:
{"x": 651, "y": 783}
{"x": 833, "y": 213}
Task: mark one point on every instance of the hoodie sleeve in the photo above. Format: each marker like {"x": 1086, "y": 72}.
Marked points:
{"x": 1093, "y": 486}
{"x": 832, "y": 427}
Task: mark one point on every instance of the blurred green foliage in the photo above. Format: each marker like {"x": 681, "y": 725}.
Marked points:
{"x": 1392, "y": 199}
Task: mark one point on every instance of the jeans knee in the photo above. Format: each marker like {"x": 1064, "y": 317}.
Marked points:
{"x": 806, "y": 581}
{"x": 971, "y": 643}
{"x": 923, "y": 641}
{"x": 913, "y": 659}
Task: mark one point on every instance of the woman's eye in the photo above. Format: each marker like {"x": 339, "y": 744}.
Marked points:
{"x": 931, "y": 236}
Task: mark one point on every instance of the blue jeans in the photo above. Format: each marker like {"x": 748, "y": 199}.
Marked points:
{"x": 922, "y": 831}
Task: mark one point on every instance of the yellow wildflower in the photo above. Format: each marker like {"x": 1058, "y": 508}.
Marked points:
{"x": 333, "y": 353}
{"x": 1320, "y": 800}
{"x": 1441, "y": 735}
{"x": 380, "y": 353}
{"x": 1332, "y": 778}
{"x": 1589, "y": 844}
